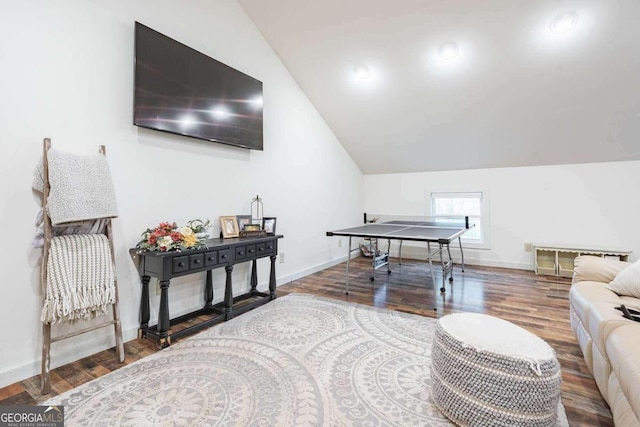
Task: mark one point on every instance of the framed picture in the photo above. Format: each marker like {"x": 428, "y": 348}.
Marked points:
{"x": 243, "y": 220}
{"x": 269, "y": 225}
{"x": 229, "y": 226}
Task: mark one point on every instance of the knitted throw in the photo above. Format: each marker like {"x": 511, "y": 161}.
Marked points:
{"x": 80, "y": 187}
{"x": 80, "y": 278}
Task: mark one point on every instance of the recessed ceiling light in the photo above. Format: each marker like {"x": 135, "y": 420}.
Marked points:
{"x": 448, "y": 50}
{"x": 362, "y": 72}
{"x": 563, "y": 23}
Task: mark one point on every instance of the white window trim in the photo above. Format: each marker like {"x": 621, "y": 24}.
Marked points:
{"x": 486, "y": 214}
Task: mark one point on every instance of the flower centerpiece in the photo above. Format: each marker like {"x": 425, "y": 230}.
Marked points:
{"x": 167, "y": 236}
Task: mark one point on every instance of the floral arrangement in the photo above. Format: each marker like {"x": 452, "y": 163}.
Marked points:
{"x": 167, "y": 236}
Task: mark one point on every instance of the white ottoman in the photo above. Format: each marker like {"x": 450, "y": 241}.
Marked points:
{"x": 489, "y": 372}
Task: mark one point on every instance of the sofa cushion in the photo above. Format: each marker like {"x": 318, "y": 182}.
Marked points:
{"x": 623, "y": 347}
{"x": 596, "y": 269}
{"x": 627, "y": 282}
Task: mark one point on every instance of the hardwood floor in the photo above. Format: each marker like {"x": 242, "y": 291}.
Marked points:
{"x": 537, "y": 303}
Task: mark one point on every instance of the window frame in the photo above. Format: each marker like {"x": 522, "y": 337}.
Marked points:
{"x": 485, "y": 241}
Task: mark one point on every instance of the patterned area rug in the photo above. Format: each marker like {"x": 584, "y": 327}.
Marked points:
{"x": 300, "y": 360}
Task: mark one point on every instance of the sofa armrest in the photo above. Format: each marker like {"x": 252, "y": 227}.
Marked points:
{"x": 596, "y": 269}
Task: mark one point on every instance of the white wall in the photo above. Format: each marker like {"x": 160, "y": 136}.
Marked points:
{"x": 588, "y": 204}
{"x": 66, "y": 72}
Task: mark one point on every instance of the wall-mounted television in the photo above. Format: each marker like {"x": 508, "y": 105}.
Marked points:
{"x": 185, "y": 92}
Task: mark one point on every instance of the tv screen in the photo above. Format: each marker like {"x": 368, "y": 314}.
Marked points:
{"x": 183, "y": 91}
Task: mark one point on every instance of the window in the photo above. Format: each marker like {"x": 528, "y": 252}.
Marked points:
{"x": 455, "y": 204}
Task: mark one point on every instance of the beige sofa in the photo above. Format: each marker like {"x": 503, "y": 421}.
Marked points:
{"x": 610, "y": 343}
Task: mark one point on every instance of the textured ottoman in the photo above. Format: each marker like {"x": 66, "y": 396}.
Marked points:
{"x": 489, "y": 372}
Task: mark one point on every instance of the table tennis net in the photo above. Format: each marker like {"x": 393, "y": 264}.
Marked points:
{"x": 453, "y": 221}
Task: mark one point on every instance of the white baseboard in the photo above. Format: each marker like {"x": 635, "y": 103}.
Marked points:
{"x": 94, "y": 343}
{"x": 302, "y": 273}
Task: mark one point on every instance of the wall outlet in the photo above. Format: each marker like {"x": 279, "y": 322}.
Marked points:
{"x": 528, "y": 247}
{"x": 281, "y": 258}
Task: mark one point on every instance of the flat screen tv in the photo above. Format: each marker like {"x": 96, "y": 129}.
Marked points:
{"x": 185, "y": 92}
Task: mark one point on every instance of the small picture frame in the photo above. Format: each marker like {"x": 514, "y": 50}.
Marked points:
{"x": 229, "y": 226}
{"x": 269, "y": 225}
{"x": 243, "y": 220}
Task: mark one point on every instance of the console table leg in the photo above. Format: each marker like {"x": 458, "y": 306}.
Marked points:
{"x": 208, "y": 290}
{"x": 163, "y": 315}
{"x": 254, "y": 276}
{"x": 228, "y": 293}
{"x": 144, "y": 306}
{"x": 272, "y": 277}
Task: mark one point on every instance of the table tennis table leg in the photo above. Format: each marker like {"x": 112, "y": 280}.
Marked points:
{"x": 461, "y": 252}
{"x": 445, "y": 267}
{"x": 433, "y": 276}
{"x": 373, "y": 260}
{"x": 450, "y": 263}
{"x": 388, "y": 255}
{"x": 346, "y": 278}
{"x": 400, "y": 254}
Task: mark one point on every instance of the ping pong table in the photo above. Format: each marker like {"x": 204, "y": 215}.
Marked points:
{"x": 440, "y": 232}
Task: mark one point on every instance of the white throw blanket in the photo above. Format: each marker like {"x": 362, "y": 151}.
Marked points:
{"x": 80, "y": 278}
{"x": 81, "y": 187}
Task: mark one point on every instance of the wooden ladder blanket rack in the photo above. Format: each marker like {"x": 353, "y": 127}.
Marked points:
{"x": 47, "y": 338}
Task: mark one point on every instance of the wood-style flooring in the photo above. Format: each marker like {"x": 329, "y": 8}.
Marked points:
{"x": 539, "y": 304}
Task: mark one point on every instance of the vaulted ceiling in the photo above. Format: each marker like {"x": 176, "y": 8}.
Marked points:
{"x": 516, "y": 94}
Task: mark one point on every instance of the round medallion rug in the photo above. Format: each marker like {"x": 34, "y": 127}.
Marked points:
{"x": 299, "y": 360}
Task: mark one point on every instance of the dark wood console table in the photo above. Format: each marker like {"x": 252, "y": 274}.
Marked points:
{"x": 218, "y": 253}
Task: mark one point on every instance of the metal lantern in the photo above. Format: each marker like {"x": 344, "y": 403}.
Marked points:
{"x": 256, "y": 210}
